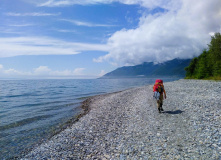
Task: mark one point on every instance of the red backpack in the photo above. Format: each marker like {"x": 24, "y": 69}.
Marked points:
{"x": 158, "y": 86}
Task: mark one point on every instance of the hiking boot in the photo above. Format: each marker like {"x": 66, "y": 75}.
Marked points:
{"x": 161, "y": 109}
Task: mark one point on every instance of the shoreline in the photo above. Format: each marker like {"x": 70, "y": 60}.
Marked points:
{"x": 99, "y": 119}
{"x": 84, "y": 105}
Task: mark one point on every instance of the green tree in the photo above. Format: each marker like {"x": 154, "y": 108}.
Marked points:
{"x": 208, "y": 64}
{"x": 215, "y": 51}
{"x": 204, "y": 69}
{"x": 215, "y": 46}
{"x": 190, "y": 70}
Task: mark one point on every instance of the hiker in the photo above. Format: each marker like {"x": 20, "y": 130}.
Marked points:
{"x": 159, "y": 90}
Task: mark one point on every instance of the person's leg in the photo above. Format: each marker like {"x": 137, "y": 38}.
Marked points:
{"x": 158, "y": 106}
{"x": 161, "y": 108}
{"x": 161, "y": 103}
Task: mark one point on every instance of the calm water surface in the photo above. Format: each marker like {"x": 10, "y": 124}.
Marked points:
{"x": 33, "y": 110}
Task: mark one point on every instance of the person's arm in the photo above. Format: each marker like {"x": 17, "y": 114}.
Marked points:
{"x": 165, "y": 96}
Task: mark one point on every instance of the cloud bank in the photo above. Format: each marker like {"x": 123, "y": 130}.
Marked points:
{"x": 43, "y": 72}
{"x": 10, "y": 47}
{"x": 181, "y": 32}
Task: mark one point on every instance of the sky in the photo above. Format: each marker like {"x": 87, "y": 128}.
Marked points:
{"x": 84, "y": 39}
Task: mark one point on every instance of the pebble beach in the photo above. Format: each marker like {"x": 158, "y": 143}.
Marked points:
{"x": 127, "y": 125}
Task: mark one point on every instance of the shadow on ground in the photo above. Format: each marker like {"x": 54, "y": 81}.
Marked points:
{"x": 174, "y": 112}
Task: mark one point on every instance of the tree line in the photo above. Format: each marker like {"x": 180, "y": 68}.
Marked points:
{"x": 208, "y": 64}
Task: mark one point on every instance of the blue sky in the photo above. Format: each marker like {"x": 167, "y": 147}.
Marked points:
{"x": 88, "y": 38}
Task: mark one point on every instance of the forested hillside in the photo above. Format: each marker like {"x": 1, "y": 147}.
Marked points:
{"x": 208, "y": 64}
{"x": 170, "y": 68}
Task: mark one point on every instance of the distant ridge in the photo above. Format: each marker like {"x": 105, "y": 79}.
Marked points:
{"x": 173, "y": 67}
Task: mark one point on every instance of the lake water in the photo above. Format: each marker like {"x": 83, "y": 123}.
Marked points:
{"x": 31, "y": 111}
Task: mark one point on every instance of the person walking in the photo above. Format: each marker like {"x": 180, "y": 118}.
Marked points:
{"x": 159, "y": 93}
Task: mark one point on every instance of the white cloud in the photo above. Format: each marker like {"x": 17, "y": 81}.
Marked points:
{"x": 43, "y": 72}
{"x": 78, "y": 71}
{"x": 12, "y": 71}
{"x": 87, "y": 24}
{"x": 65, "y": 31}
{"x": 21, "y": 25}
{"x": 182, "y": 32}
{"x": 15, "y": 46}
{"x": 46, "y": 71}
{"x": 56, "y": 3}
{"x": 103, "y": 72}
{"x": 34, "y": 14}
{"x": 144, "y": 3}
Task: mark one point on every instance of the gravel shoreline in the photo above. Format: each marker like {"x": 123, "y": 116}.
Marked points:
{"x": 127, "y": 125}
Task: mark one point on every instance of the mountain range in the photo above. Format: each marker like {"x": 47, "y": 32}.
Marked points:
{"x": 173, "y": 67}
